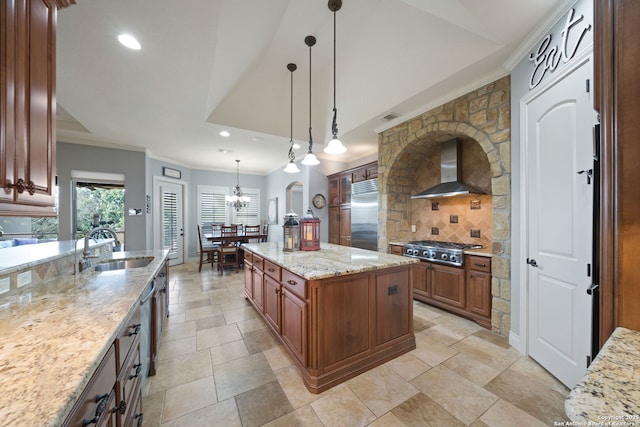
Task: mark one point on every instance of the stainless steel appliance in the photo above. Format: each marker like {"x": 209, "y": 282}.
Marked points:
{"x": 364, "y": 214}
{"x": 441, "y": 252}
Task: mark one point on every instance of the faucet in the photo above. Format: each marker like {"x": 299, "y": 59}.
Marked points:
{"x": 84, "y": 262}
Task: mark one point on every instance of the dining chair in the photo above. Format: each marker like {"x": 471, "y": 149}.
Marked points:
{"x": 252, "y": 230}
{"x": 206, "y": 248}
{"x": 228, "y": 253}
{"x": 265, "y": 232}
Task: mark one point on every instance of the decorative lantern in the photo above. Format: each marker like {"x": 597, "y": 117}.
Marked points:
{"x": 291, "y": 232}
{"x": 310, "y": 230}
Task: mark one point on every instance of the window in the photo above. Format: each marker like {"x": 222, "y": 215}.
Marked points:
{"x": 251, "y": 214}
{"x": 211, "y": 204}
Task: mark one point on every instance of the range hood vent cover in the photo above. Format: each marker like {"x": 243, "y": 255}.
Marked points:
{"x": 450, "y": 175}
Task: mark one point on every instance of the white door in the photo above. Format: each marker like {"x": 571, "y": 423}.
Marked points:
{"x": 559, "y": 144}
{"x": 171, "y": 221}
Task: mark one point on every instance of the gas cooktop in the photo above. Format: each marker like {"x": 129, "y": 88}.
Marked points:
{"x": 449, "y": 253}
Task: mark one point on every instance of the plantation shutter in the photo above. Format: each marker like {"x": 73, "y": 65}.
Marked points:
{"x": 211, "y": 204}
{"x": 169, "y": 221}
{"x": 249, "y": 215}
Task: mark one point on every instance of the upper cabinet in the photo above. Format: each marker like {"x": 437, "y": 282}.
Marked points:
{"x": 28, "y": 106}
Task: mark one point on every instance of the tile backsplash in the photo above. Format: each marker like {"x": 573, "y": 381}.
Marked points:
{"x": 454, "y": 220}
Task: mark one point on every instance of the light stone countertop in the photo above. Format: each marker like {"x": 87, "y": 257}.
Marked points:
{"x": 485, "y": 252}
{"x": 330, "y": 261}
{"x": 54, "y": 335}
{"x": 609, "y": 393}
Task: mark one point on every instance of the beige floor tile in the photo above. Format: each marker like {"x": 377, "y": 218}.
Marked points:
{"x": 490, "y": 354}
{"x": 152, "y": 407}
{"x": 471, "y": 369}
{"x": 180, "y": 370}
{"x": 430, "y": 351}
{"x": 387, "y": 420}
{"x": 210, "y": 322}
{"x": 459, "y": 396}
{"x": 277, "y": 357}
{"x": 259, "y": 340}
{"x": 262, "y": 404}
{"x": 408, "y": 366}
{"x": 440, "y": 335}
{"x": 203, "y": 312}
{"x": 222, "y": 413}
{"x": 457, "y": 325}
{"x": 178, "y": 331}
{"x": 217, "y": 336}
{"x": 175, "y": 348}
{"x": 301, "y": 417}
{"x": 493, "y": 338}
{"x": 177, "y": 317}
{"x": 341, "y": 407}
{"x": 240, "y": 375}
{"x": 426, "y": 312}
{"x": 421, "y": 411}
{"x": 381, "y": 389}
{"x": 291, "y": 382}
{"x": 503, "y": 414}
{"x": 228, "y": 351}
{"x": 531, "y": 369}
{"x": 189, "y": 397}
{"x": 251, "y": 325}
{"x": 239, "y": 314}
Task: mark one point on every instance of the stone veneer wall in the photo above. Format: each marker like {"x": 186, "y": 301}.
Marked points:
{"x": 483, "y": 116}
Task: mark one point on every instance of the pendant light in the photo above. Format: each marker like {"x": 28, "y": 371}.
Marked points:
{"x": 291, "y": 166}
{"x": 310, "y": 159}
{"x": 238, "y": 200}
{"x": 335, "y": 145}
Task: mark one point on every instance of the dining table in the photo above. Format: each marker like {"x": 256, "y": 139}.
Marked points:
{"x": 238, "y": 238}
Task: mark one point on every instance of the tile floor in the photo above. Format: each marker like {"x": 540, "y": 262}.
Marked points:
{"x": 221, "y": 366}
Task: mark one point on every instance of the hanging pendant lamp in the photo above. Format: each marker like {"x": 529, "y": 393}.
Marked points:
{"x": 291, "y": 166}
{"x": 310, "y": 159}
{"x": 335, "y": 146}
{"x": 238, "y": 200}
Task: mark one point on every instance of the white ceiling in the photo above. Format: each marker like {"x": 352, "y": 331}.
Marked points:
{"x": 209, "y": 65}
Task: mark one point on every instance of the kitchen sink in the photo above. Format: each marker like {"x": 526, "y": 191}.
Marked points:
{"x": 123, "y": 264}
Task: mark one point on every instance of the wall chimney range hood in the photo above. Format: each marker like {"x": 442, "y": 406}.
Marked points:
{"x": 450, "y": 174}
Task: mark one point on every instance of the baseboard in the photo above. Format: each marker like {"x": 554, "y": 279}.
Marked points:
{"x": 514, "y": 341}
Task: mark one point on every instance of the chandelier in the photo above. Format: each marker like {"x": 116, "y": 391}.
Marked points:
{"x": 238, "y": 200}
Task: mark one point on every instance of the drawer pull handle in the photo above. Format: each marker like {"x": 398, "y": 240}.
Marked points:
{"x": 480, "y": 265}
{"x": 138, "y": 368}
{"x": 136, "y": 329}
{"x": 271, "y": 269}
{"x": 292, "y": 282}
{"x": 101, "y": 400}
{"x": 122, "y": 407}
{"x": 139, "y": 416}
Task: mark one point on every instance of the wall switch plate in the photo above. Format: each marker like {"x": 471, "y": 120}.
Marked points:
{"x": 413, "y": 228}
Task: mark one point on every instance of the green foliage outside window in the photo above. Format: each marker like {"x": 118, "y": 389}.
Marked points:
{"x": 108, "y": 203}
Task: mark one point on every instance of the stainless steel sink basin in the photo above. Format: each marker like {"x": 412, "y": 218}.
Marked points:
{"x": 123, "y": 264}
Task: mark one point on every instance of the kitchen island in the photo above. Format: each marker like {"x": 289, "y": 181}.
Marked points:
{"x": 339, "y": 311}
{"x": 55, "y": 334}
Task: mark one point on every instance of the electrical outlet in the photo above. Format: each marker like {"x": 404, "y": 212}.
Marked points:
{"x": 392, "y": 290}
{"x": 24, "y": 278}
{"x": 413, "y": 228}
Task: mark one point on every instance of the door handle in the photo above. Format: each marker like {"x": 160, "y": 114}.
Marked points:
{"x": 589, "y": 173}
{"x": 591, "y": 290}
{"x": 532, "y": 262}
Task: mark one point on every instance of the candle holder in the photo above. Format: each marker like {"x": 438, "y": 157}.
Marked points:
{"x": 310, "y": 232}
{"x": 291, "y": 233}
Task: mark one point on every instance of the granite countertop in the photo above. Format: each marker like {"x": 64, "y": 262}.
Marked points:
{"x": 54, "y": 335}
{"x": 330, "y": 261}
{"x": 486, "y": 252}
{"x": 609, "y": 393}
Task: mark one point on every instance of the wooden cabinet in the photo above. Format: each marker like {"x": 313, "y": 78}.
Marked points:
{"x": 248, "y": 275}
{"x": 338, "y": 327}
{"x": 159, "y": 313}
{"x": 396, "y": 249}
{"x": 463, "y": 291}
{"x": 28, "y": 106}
{"x": 340, "y": 201}
{"x": 616, "y": 94}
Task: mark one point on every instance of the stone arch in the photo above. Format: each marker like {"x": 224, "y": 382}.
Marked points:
{"x": 482, "y": 116}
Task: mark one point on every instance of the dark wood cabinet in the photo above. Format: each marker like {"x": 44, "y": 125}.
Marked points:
{"x": 340, "y": 201}
{"x": 396, "y": 249}
{"x": 616, "y": 95}
{"x": 338, "y": 327}
{"x": 28, "y": 107}
{"x": 248, "y": 275}
{"x": 159, "y": 314}
{"x": 463, "y": 291}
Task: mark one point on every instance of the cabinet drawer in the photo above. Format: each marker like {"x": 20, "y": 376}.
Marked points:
{"x": 258, "y": 261}
{"x": 128, "y": 336}
{"x": 479, "y": 263}
{"x": 273, "y": 270}
{"x": 128, "y": 386}
{"x": 248, "y": 257}
{"x": 294, "y": 283}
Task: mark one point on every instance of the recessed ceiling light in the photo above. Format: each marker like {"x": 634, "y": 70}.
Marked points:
{"x": 224, "y": 133}
{"x": 129, "y": 41}
{"x": 225, "y": 151}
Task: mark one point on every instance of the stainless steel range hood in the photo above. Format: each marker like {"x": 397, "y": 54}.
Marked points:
{"x": 450, "y": 174}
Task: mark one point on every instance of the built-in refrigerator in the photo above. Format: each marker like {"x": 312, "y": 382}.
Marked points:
{"x": 364, "y": 214}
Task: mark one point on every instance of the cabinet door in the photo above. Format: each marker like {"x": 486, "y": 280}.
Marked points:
{"x": 447, "y": 285}
{"x": 396, "y": 249}
{"x": 345, "y": 226}
{"x": 334, "y": 225}
{"x": 334, "y": 191}
{"x": 421, "y": 275}
{"x": 28, "y": 107}
{"x": 272, "y": 302}
{"x": 345, "y": 189}
{"x": 479, "y": 292}
{"x": 294, "y": 325}
{"x": 248, "y": 280}
{"x": 393, "y": 305}
{"x": 257, "y": 288}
